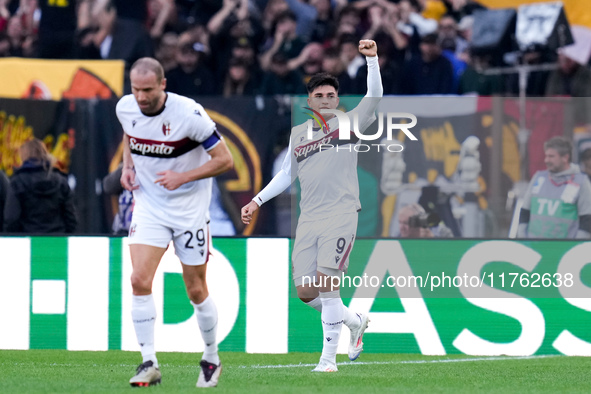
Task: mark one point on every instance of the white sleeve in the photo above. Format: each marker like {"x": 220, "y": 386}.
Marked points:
{"x": 202, "y": 127}
{"x": 367, "y": 107}
{"x": 279, "y": 183}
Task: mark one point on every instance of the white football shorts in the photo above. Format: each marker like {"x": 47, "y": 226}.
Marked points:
{"x": 323, "y": 245}
{"x": 191, "y": 243}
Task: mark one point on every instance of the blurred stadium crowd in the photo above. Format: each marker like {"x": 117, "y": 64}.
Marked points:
{"x": 248, "y": 47}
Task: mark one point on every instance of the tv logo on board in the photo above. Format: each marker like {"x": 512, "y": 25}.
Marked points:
{"x": 346, "y": 131}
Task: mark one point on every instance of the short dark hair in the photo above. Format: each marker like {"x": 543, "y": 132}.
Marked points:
{"x": 322, "y": 79}
{"x": 562, "y": 146}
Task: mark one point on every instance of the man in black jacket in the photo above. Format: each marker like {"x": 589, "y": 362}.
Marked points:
{"x": 39, "y": 199}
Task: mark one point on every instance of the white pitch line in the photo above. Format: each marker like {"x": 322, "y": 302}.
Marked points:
{"x": 447, "y": 360}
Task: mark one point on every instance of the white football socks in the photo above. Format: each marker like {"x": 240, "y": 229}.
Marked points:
{"x": 350, "y": 318}
{"x": 143, "y": 314}
{"x": 207, "y": 318}
{"x": 332, "y": 322}
{"x": 316, "y": 304}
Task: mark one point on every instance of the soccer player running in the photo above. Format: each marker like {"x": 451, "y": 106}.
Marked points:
{"x": 329, "y": 204}
{"x": 171, "y": 151}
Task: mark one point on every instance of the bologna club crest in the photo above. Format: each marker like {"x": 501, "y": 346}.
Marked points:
{"x": 166, "y": 128}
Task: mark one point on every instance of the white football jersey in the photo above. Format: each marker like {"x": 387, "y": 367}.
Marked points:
{"x": 328, "y": 176}
{"x": 176, "y": 139}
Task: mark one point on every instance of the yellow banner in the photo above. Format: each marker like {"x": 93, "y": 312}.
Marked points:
{"x": 56, "y": 79}
{"x": 578, "y": 12}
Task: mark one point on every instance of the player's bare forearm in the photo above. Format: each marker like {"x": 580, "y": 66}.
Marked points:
{"x": 127, "y": 172}
{"x": 221, "y": 161}
{"x": 127, "y": 160}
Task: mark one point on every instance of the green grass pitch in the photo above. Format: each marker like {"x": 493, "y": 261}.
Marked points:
{"x": 60, "y": 371}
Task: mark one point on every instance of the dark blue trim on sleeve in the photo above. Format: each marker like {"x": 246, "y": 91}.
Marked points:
{"x": 212, "y": 140}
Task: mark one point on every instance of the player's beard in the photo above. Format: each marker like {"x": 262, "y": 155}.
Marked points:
{"x": 152, "y": 107}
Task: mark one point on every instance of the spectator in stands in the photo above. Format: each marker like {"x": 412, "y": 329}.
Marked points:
{"x": 231, "y": 25}
{"x": 448, "y": 50}
{"x": 231, "y": 12}
{"x": 39, "y": 199}
{"x": 117, "y": 38}
{"x": 333, "y": 64}
{"x": 410, "y": 16}
{"x": 348, "y": 21}
{"x": 4, "y": 15}
{"x": 350, "y": 56}
{"x": 272, "y": 10}
{"x": 474, "y": 80}
{"x": 570, "y": 79}
{"x": 243, "y": 49}
{"x": 239, "y": 80}
{"x": 385, "y": 28}
{"x": 166, "y": 52}
{"x": 16, "y": 35}
{"x": 448, "y": 30}
{"x": 280, "y": 79}
{"x": 314, "y": 18}
{"x": 430, "y": 73}
{"x": 191, "y": 77}
{"x": 29, "y": 12}
{"x": 557, "y": 203}
{"x": 285, "y": 40}
{"x": 309, "y": 61}
{"x": 161, "y": 17}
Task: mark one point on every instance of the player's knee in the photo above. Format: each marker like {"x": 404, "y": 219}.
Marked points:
{"x": 140, "y": 284}
{"x": 197, "y": 294}
{"x": 307, "y": 294}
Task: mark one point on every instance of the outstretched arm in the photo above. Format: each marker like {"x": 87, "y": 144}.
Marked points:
{"x": 367, "y": 107}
